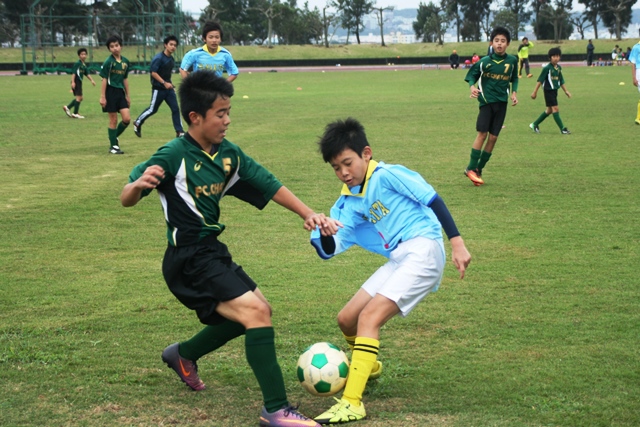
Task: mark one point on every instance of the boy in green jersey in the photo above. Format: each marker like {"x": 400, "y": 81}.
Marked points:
{"x": 191, "y": 174}
{"x": 114, "y": 95}
{"x": 552, "y": 79}
{"x": 496, "y": 76}
{"x": 78, "y": 72}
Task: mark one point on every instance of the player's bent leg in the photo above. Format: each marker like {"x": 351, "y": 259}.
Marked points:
{"x": 348, "y": 316}
{"x": 249, "y": 309}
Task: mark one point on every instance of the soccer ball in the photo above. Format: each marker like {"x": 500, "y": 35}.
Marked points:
{"x": 323, "y": 369}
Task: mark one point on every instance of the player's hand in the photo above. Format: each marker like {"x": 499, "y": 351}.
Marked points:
{"x": 635, "y": 81}
{"x": 103, "y": 101}
{"x": 568, "y": 94}
{"x": 514, "y": 100}
{"x": 151, "y": 178}
{"x": 474, "y": 92}
{"x": 460, "y": 255}
{"x": 327, "y": 226}
{"x": 93, "y": 82}
{"x": 73, "y": 85}
{"x": 533, "y": 95}
{"x": 128, "y": 100}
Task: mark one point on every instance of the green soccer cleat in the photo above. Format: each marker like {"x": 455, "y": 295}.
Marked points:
{"x": 342, "y": 412}
{"x": 534, "y": 128}
{"x": 565, "y": 131}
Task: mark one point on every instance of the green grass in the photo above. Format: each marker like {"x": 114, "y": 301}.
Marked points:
{"x": 543, "y": 331}
{"x": 240, "y": 53}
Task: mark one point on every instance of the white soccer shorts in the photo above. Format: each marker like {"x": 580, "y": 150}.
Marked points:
{"x": 413, "y": 271}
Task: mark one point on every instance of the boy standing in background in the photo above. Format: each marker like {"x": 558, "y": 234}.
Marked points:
{"x": 552, "y": 79}
{"x": 78, "y": 72}
{"x": 114, "y": 94}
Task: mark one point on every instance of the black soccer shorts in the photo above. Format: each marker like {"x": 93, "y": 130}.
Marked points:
{"x": 203, "y": 275}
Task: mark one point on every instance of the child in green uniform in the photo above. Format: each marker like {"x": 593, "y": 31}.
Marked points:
{"x": 114, "y": 95}
{"x": 191, "y": 174}
{"x": 496, "y": 76}
{"x": 552, "y": 79}
{"x": 78, "y": 72}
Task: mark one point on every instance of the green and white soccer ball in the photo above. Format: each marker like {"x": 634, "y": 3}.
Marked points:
{"x": 323, "y": 369}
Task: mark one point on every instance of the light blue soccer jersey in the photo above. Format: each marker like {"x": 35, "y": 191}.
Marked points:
{"x": 634, "y": 56}
{"x": 218, "y": 62}
{"x": 391, "y": 206}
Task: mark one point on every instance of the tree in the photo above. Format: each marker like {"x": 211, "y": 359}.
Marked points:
{"x": 431, "y": 23}
{"x": 380, "y": 15}
{"x": 581, "y": 22}
{"x": 508, "y": 19}
{"x": 298, "y": 26}
{"x": 521, "y": 15}
{"x": 453, "y": 14}
{"x": 554, "y": 19}
{"x": 353, "y": 13}
{"x": 616, "y": 15}
{"x": 593, "y": 8}
{"x": 474, "y": 11}
{"x": 270, "y": 10}
{"x": 327, "y": 21}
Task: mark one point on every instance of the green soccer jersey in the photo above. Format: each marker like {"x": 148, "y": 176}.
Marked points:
{"x": 195, "y": 181}
{"x": 494, "y": 75}
{"x": 79, "y": 70}
{"x": 551, "y": 77}
{"x": 115, "y": 71}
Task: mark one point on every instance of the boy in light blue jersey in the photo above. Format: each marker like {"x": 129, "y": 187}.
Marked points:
{"x": 634, "y": 59}
{"x": 392, "y": 211}
{"x": 211, "y": 56}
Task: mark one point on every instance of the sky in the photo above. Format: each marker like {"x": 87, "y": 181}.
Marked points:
{"x": 196, "y": 6}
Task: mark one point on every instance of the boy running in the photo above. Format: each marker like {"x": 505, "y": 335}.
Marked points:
{"x": 392, "y": 211}
{"x": 162, "y": 90}
{"x": 78, "y": 72}
{"x": 494, "y": 74}
{"x": 211, "y": 56}
{"x": 114, "y": 94}
{"x": 552, "y": 79}
{"x": 191, "y": 174}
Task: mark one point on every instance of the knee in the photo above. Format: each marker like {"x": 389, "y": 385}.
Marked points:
{"x": 346, "y": 321}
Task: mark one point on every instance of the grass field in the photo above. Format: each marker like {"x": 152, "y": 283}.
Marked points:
{"x": 543, "y": 331}
{"x": 413, "y": 50}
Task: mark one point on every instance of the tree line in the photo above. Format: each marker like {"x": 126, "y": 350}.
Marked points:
{"x": 267, "y": 21}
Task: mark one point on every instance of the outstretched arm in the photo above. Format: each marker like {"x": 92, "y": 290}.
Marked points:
{"x": 285, "y": 198}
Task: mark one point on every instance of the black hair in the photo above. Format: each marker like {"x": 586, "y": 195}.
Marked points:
{"x": 171, "y": 38}
{"x": 113, "y": 39}
{"x": 82, "y": 49}
{"x": 199, "y": 90}
{"x": 340, "y": 135}
{"x": 211, "y": 26}
{"x": 555, "y": 51}
{"x": 500, "y": 31}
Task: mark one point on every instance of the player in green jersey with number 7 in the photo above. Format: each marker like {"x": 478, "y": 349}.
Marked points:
{"x": 492, "y": 80}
